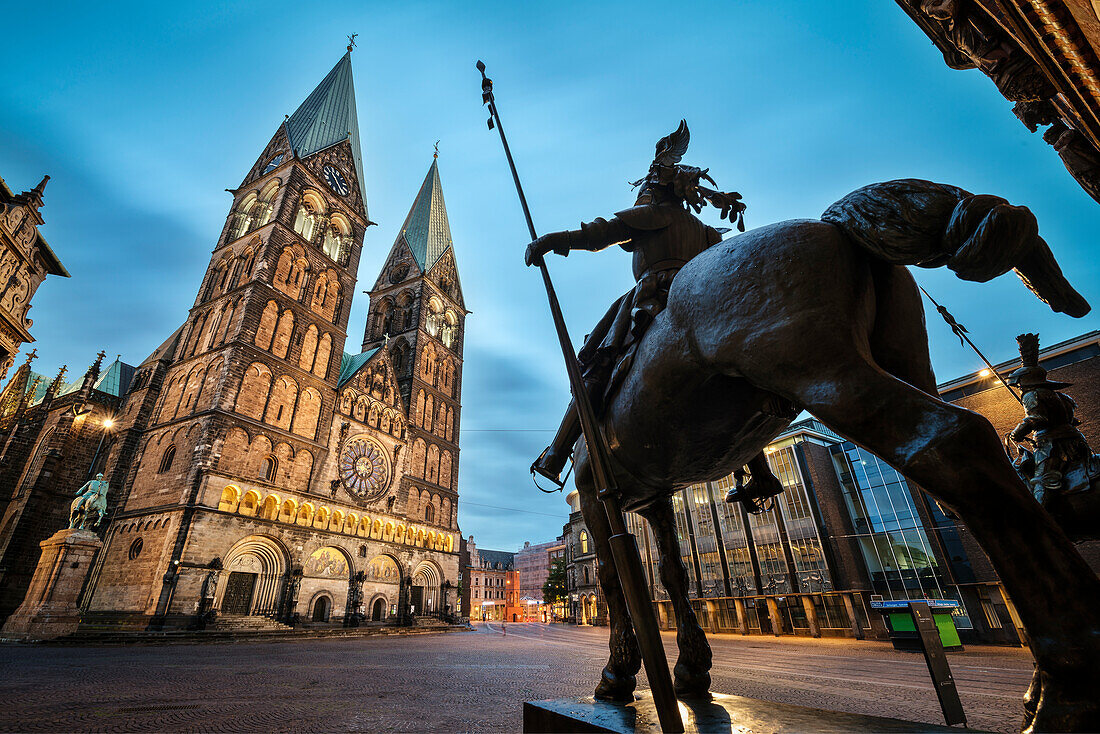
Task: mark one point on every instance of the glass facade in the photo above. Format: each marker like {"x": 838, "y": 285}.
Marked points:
{"x": 896, "y": 551}
{"x": 729, "y": 552}
{"x": 895, "y": 548}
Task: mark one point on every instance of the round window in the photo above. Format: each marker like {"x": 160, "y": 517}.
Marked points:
{"x": 365, "y": 468}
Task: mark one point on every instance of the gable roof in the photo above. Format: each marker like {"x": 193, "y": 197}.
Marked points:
{"x": 426, "y": 229}
{"x": 328, "y": 117}
{"x": 500, "y": 560}
{"x": 351, "y": 364}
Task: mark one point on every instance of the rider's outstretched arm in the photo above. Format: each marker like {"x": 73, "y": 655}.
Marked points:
{"x": 592, "y": 236}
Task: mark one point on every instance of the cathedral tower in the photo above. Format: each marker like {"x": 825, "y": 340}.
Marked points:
{"x": 263, "y": 470}
{"x": 418, "y": 313}
{"x": 251, "y": 383}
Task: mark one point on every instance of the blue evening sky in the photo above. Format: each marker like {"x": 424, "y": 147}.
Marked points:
{"x": 144, "y": 112}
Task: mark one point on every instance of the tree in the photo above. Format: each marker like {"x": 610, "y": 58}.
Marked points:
{"x": 554, "y": 591}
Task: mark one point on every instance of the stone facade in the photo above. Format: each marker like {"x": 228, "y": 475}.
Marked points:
{"x": 50, "y": 607}
{"x": 25, "y": 261}
{"x": 257, "y": 468}
{"x": 533, "y": 566}
{"x": 55, "y": 437}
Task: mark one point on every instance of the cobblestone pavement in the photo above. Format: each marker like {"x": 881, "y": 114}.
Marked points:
{"x": 467, "y": 681}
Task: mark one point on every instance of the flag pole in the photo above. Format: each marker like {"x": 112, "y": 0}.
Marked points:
{"x": 624, "y": 548}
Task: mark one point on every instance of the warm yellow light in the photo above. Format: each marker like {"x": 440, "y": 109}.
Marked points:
{"x": 108, "y": 422}
{"x": 984, "y": 373}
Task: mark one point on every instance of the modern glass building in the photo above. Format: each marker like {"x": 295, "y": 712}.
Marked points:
{"x": 846, "y": 531}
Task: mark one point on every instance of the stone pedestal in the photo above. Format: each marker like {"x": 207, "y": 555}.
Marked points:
{"x": 721, "y": 713}
{"x": 49, "y": 610}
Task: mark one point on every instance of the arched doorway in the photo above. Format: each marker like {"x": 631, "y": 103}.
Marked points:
{"x": 325, "y": 573}
{"x": 322, "y": 608}
{"x": 256, "y": 568}
{"x": 379, "y": 611}
{"x": 425, "y": 589}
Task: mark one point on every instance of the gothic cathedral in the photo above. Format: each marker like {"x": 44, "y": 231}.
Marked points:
{"x": 264, "y": 470}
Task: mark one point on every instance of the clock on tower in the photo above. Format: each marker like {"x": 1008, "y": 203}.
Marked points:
{"x": 335, "y": 180}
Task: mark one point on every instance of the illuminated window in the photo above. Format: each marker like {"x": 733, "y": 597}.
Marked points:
{"x": 435, "y": 316}
{"x": 584, "y": 542}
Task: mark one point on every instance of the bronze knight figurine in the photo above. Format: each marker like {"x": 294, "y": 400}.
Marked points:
{"x": 663, "y": 235}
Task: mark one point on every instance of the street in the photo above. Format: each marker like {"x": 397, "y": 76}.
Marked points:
{"x": 465, "y": 681}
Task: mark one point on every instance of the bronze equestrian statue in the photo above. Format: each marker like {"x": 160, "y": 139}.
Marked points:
{"x": 1052, "y": 455}
{"x": 820, "y": 315}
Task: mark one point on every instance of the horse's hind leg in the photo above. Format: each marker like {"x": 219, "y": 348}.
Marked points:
{"x": 956, "y": 456}
{"x": 692, "y": 669}
{"x": 619, "y": 677}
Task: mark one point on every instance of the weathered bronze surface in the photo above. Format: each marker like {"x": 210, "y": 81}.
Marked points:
{"x": 823, "y": 316}
{"x": 1052, "y": 455}
{"x": 90, "y": 505}
{"x": 998, "y": 39}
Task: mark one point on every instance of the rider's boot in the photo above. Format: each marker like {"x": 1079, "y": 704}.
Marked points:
{"x": 552, "y": 460}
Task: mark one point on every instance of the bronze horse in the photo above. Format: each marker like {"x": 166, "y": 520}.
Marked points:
{"x": 807, "y": 314}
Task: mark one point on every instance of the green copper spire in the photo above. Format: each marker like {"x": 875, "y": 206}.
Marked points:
{"x": 426, "y": 229}
{"x": 328, "y": 117}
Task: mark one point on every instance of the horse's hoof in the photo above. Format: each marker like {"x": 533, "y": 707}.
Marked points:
{"x": 690, "y": 684}
{"x": 1053, "y": 710}
{"x": 617, "y": 688}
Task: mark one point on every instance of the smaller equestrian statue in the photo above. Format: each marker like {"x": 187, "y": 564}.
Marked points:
{"x": 90, "y": 505}
{"x": 1052, "y": 455}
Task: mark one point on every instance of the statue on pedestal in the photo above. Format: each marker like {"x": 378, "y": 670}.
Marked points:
{"x": 90, "y": 505}
{"x": 705, "y": 364}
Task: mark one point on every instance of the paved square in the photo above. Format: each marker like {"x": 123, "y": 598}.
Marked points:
{"x": 466, "y": 681}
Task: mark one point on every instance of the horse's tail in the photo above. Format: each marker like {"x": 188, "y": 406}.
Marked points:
{"x": 914, "y": 222}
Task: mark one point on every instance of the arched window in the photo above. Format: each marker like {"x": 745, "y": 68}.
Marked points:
{"x": 335, "y": 235}
{"x": 587, "y": 577}
{"x": 450, "y": 329}
{"x": 383, "y": 319}
{"x": 584, "y": 542}
{"x": 244, "y": 217}
{"x": 268, "y": 468}
{"x": 309, "y": 215}
{"x": 435, "y": 316}
{"x": 166, "y": 459}
{"x": 429, "y": 514}
{"x": 403, "y": 318}
{"x": 265, "y": 207}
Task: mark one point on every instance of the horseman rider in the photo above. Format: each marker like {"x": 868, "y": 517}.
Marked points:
{"x": 87, "y": 499}
{"x": 663, "y": 235}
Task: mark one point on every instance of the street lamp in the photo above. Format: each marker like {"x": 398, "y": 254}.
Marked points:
{"x": 108, "y": 424}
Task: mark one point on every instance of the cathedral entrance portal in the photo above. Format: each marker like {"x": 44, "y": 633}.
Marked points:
{"x": 378, "y": 611}
{"x": 418, "y": 600}
{"x": 238, "y": 593}
{"x": 321, "y": 609}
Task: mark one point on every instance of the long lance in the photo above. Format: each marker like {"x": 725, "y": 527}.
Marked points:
{"x": 624, "y": 547}
{"x": 960, "y": 331}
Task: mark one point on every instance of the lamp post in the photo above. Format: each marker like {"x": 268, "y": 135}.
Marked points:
{"x": 108, "y": 424}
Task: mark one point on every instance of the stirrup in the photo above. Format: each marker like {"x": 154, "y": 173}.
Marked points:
{"x": 559, "y": 484}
